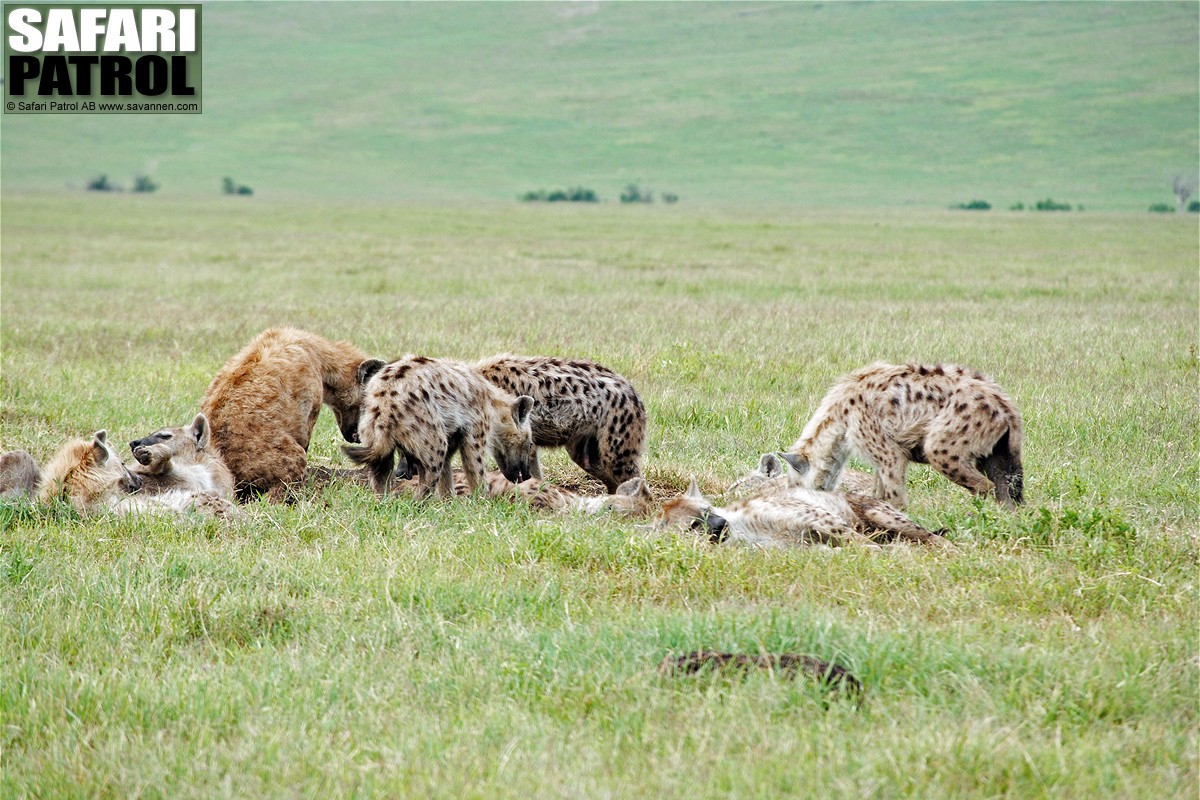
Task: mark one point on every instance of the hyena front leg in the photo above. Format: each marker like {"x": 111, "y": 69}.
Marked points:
{"x": 889, "y": 459}
{"x": 474, "y": 460}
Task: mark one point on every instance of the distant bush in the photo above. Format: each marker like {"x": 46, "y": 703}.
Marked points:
{"x": 101, "y": 184}
{"x": 1052, "y": 205}
{"x": 1161, "y": 208}
{"x": 670, "y": 197}
{"x": 143, "y": 183}
{"x": 1194, "y": 206}
{"x": 974, "y": 205}
{"x": 576, "y": 194}
{"x": 1017, "y": 207}
{"x": 634, "y": 194}
{"x": 228, "y": 186}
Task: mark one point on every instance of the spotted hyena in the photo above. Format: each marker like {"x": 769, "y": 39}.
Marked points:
{"x": 583, "y": 406}
{"x": 19, "y": 474}
{"x": 264, "y": 403}
{"x": 429, "y": 408}
{"x": 959, "y": 422}
{"x": 771, "y": 477}
{"x": 181, "y": 458}
{"x": 631, "y": 499}
{"x": 797, "y": 517}
{"x": 87, "y": 473}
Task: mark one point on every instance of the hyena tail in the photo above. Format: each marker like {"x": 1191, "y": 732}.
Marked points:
{"x": 379, "y": 465}
{"x": 1003, "y": 468}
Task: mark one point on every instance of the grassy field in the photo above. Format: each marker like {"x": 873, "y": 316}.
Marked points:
{"x": 345, "y": 647}
{"x": 751, "y": 104}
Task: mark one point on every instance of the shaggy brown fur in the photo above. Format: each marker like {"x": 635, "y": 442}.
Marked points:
{"x": 427, "y": 409}
{"x": 19, "y": 474}
{"x": 264, "y": 403}
{"x": 88, "y": 474}
{"x": 182, "y": 458}
{"x": 958, "y": 421}
{"x": 788, "y": 664}
{"x": 583, "y": 406}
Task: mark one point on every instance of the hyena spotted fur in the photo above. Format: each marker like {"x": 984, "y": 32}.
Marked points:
{"x": 958, "y": 421}
{"x": 583, "y": 406}
{"x": 797, "y": 517}
{"x": 427, "y": 409}
{"x": 631, "y": 499}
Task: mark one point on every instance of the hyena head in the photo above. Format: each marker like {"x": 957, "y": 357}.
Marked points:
{"x": 346, "y": 401}
{"x": 692, "y": 511}
{"x": 154, "y": 452}
{"x": 511, "y": 440}
{"x": 770, "y": 468}
{"x": 109, "y": 465}
{"x": 631, "y": 499}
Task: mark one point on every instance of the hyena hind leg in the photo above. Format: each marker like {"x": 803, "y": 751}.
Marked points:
{"x": 887, "y": 523}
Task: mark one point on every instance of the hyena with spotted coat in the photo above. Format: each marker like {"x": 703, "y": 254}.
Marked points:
{"x": 182, "y": 458}
{"x": 88, "y": 474}
{"x": 583, "y": 406}
{"x": 427, "y": 409}
{"x": 796, "y": 517}
{"x": 958, "y": 421}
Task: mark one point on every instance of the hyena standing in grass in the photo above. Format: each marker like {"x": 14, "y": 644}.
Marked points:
{"x": 428, "y": 409}
{"x": 583, "y": 406}
{"x": 959, "y": 422}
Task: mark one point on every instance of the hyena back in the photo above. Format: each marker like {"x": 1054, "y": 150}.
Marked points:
{"x": 959, "y": 422}
{"x": 582, "y": 406}
{"x": 427, "y": 409}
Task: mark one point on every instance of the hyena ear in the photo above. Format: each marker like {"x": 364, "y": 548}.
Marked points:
{"x": 633, "y": 487}
{"x": 200, "y": 431}
{"x": 522, "y": 408}
{"x": 100, "y": 445}
{"x": 366, "y": 369}
{"x": 693, "y": 490}
{"x": 798, "y": 463}
{"x": 770, "y": 465}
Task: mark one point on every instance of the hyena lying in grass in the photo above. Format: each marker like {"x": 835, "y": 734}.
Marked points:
{"x": 583, "y": 406}
{"x": 88, "y": 474}
{"x": 631, "y": 499}
{"x": 19, "y": 474}
{"x": 771, "y": 477}
{"x": 429, "y": 408}
{"x": 797, "y": 517}
{"x": 789, "y": 665}
{"x": 959, "y": 422}
{"x": 181, "y": 469}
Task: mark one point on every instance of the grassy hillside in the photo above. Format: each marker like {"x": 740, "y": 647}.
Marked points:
{"x": 725, "y": 104}
{"x": 346, "y": 647}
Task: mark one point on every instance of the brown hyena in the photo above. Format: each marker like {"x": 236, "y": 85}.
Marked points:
{"x": 181, "y": 458}
{"x": 797, "y": 517}
{"x": 587, "y": 408}
{"x": 958, "y": 421}
{"x": 19, "y": 474}
{"x": 429, "y": 408}
{"x": 89, "y": 474}
{"x": 264, "y": 403}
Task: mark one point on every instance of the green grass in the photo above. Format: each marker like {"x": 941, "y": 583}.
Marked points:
{"x": 760, "y": 105}
{"x": 345, "y": 647}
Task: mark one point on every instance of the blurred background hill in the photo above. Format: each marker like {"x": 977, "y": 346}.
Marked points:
{"x": 731, "y": 104}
